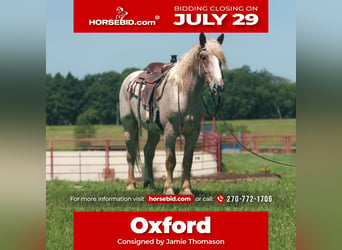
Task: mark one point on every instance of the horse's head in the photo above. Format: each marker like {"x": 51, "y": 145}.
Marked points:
{"x": 210, "y": 64}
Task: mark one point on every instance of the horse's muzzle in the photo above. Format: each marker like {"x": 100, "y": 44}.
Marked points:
{"x": 217, "y": 90}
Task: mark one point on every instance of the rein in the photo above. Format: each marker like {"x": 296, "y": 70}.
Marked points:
{"x": 215, "y": 105}
{"x": 250, "y": 151}
{"x": 179, "y": 122}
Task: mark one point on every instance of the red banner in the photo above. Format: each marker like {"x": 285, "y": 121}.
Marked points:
{"x": 171, "y": 230}
{"x": 171, "y": 16}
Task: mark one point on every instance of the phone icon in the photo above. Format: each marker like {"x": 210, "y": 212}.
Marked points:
{"x": 220, "y": 198}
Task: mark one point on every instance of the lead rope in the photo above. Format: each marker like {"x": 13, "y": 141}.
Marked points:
{"x": 138, "y": 108}
{"x": 179, "y": 122}
{"x": 237, "y": 140}
{"x": 250, "y": 151}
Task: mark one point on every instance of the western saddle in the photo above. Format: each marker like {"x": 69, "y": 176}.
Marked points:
{"x": 151, "y": 78}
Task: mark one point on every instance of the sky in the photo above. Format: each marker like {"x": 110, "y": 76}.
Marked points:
{"x": 91, "y": 53}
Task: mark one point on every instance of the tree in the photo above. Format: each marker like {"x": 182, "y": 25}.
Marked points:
{"x": 85, "y": 127}
{"x": 254, "y": 95}
{"x": 286, "y": 100}
{"x": 102, "y": 96}
{"x": 247, "y": 95}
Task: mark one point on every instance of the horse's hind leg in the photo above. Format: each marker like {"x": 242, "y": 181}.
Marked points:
{"x": 149, "y": 150}
{"x": 131, "y": 138}
{"x": 170, "y": 141}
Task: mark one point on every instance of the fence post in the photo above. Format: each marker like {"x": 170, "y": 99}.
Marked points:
{"x": 79, "y": 164}
{"x": 107, "y": 155}
{"x": 219, "y": 151}
{"x": 288, "y": 144}
{"x": 255, "y": 142}
{"x": 203, "y": 134}
{"x": 214, "y": 124}
{"x": 51, "y": 160}
{"x": 243, "y": 142}
{"x": 204, "y": 137}
{"x": 234, "y": 145}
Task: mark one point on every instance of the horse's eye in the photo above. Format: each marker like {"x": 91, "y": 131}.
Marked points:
{"x": 204, "y": 58}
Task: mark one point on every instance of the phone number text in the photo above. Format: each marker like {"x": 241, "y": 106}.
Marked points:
{"x": 249, "y": 198}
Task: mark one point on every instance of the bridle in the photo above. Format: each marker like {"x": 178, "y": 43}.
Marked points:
{"x": 203, "y": 56}
{"x": 204, "y": 63}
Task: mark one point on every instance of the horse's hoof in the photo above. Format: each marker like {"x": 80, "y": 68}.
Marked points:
{"x": 130, "y": 186}
{"x": 169, "y": 191}
{"x": 186, "y": 191}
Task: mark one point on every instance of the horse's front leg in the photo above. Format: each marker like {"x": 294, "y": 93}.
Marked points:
{"x": 170, "y": 140}
{"x": 190, "y": 142}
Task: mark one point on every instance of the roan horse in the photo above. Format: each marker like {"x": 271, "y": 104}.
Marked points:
{"x": 180, "y": 111}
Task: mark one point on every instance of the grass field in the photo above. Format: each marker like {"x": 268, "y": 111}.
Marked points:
{"x": 284, "y": 126}
{"x": 282, "y": 210}
{"x": 269, "y": 126}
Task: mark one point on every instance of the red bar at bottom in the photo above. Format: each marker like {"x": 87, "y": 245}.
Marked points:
{"x": 171, "y": 230}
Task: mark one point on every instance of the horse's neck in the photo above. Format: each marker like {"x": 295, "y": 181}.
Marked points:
{"x": 192, "y": 83}
{"x": 194, "y": 88}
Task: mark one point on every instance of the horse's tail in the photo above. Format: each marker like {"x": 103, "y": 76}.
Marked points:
{"x": 138, "y": 160}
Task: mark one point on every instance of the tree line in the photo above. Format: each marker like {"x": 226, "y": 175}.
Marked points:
{"x": 94, "y": 99}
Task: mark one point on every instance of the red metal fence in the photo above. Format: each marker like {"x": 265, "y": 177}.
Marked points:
{"x": 74, "y": 156}
{"x": 108, "y": 154}
{"x": 262, "y": 143}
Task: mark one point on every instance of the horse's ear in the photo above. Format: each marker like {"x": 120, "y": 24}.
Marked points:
{"x": 202, "y": 40}
{"x": 220, "y": 38}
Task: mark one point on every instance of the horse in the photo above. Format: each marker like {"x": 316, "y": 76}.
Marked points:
{"x": 180, "y": 111}
{"x": 121, "y": 13}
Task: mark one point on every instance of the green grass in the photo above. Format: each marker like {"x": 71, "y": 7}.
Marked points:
{"x": 282, "y": 211}
{"x": 67, "y": 132}
{"x": 284, "y": 126}
{"x": 242, "y": 161}
{"x": 269, "y": 126}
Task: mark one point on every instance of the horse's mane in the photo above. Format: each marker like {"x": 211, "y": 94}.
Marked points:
{"x": 188, "y": 65}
